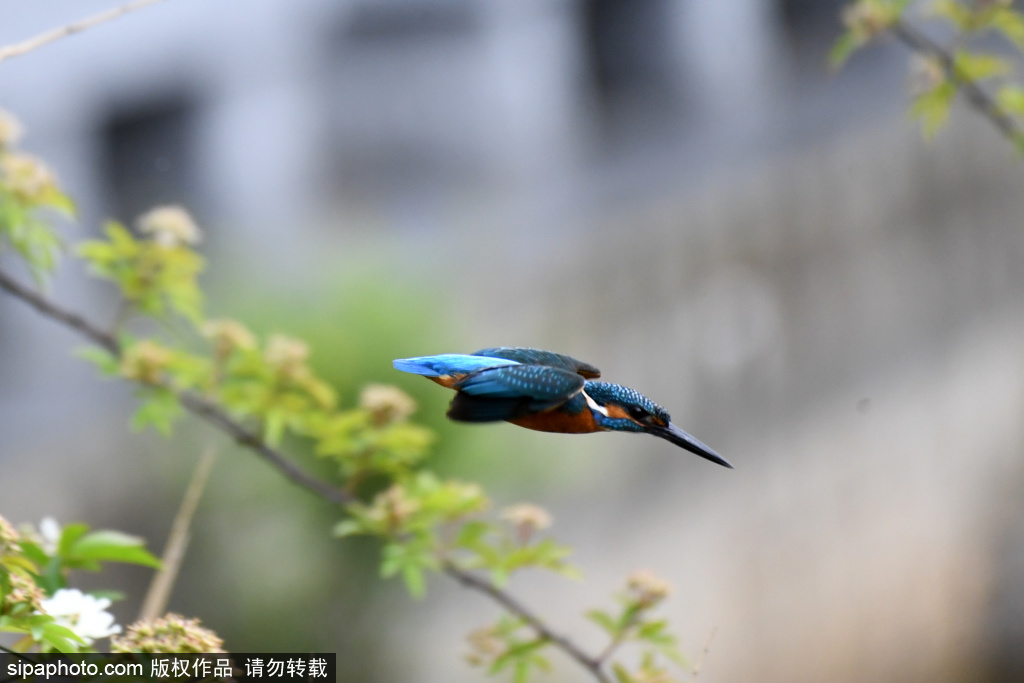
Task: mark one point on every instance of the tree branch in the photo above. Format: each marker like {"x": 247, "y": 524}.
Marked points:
{"x": 196, "y": 404}
{"x": 976, "y": 96}
{"x": 214, "y": 414}
{"x": 66, "y": 318}
{"x": 474, "y": 582}
{"x": 618, "y": 640}
{"x": 48, "y": 37}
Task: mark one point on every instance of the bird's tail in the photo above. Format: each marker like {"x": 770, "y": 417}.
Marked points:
{"x": 448, "y": 364}
{"x": 417, "y": 366}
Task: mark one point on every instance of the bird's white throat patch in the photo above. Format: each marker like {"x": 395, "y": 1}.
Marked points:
{"x": 594, "y": 406}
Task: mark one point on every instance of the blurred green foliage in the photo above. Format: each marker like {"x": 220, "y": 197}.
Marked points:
{"x": 940, "y": 72}
{"x": 267, "y": 390}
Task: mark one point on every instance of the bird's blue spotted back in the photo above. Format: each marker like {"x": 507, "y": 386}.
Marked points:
{"x": 528, "y": 356}
{"x": 448, "y": 364}
{"x": 603, "y": 393}
{"x": 538, "y": 382}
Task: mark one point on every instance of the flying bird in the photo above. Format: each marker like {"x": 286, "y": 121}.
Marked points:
{"x": 548, "y": 392}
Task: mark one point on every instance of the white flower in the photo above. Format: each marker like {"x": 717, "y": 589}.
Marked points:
{"x": 50, "y": 531}
{"x": 83, "y": 614}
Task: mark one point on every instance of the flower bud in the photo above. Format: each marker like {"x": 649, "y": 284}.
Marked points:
{"x": 145, "y": 362}
{"x": 386, "y": 403}
{"x": 866, "y": 20}
{"x": 287, "y": 355}
{"x": 484, "y": 646}
{"x": 527, "y": 519}
{"x": 24, "y": 591}
{"x": 228, "y": 336}
{"x": 646, "y": 589}
{"x": 170, "y": 226}
{"x": 28, "y": 178}
{"x": 8, "y": 538}
{"x": 10, "y": 130}
{"x": 170, "y": 633}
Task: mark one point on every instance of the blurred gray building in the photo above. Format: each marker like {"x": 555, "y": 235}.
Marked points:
{"x": 677, "y": 190}
{"x": 281, "y": 110}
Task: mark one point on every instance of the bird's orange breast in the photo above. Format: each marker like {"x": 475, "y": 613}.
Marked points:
{"x": 559, "y": 421}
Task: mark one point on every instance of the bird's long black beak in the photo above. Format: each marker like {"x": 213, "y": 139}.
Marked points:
{"x": 684, "y": 440}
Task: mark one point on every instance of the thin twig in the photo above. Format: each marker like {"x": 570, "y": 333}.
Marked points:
{"x": 52, "y": 35}
{"x": 218, "y": 417}
{"x": 704, "y": 653}
{"x": 125, "y": 308}
{"x": 198, "y": 405}
{"x": 174, "y": 552}
{"x": 619, "y": 638}
{"x": 976, "y": 96}
{"x": 477, "y": 583}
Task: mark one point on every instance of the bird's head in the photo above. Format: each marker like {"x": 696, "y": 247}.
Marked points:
{"x": 620, "y": 409}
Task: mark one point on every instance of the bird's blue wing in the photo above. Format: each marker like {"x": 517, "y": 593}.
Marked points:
{"x": 528, "y": 356}
{"x": 538, "y": 382}
{"x": 448, "y": 364}
{"x": 513, "y": 391}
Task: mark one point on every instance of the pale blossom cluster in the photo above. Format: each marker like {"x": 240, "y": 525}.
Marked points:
{"x": 228, "y": 335}
{"x": 10, "y": 130}
{"x": 170, "y": 633}
{"x": 386, "y": 403}
{"x": 170, "y": 226}
{"x": 646, "y": 588}
{"x": 84, "y": 614}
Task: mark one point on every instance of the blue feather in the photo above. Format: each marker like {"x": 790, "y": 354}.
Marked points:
{"x": 543, "y": 384}
{"x": 448, "y": 364}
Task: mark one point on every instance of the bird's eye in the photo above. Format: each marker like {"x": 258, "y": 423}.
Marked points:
{"x": 638, "y": 414}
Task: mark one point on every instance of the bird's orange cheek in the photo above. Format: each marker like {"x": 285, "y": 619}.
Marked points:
{"x": 617, "y": 413}
{"x": 620, "y": 413}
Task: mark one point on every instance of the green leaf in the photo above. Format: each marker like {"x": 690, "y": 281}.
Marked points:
{"x": 499, "y": 576}
{"x": 655, "y": 632}
{"x": 978, "y": 67}
{"x": 110, "y": 546}
{"x": 348, "y": 527}
{"x": 957, "y": 14}
{"x": 1007, "y": 21}
{"x": 273, "y": 427}
{"x": 568, "y": 571}
{"x": 18, "y": 564}
{"x": 932, "y": 107}
{"x": 1011, "y": 99}
{"x": 104, "y": 361}
{"x": 410, "y": 559}
{"x": 621, "y": 674}
{"x": 60, "y": 637}
{"x": 471, "y": 535}
{"x": 605, "y": 621}
{"x": 69, "y": 535}
{"x": 112, "y": 595}
{"x": 843, "y": 48}
{"x": 414, "y": 581}
{"x": 33, "y": 553}
{"x": 522, "y": 671}
{"x": 52, "y": 579}
{"x": 159, "y": 409}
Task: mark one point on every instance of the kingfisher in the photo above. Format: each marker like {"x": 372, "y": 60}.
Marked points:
{"x": 547, "y": 392}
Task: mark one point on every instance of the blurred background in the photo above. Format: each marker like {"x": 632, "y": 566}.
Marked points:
{"x": 678, "y": 191}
